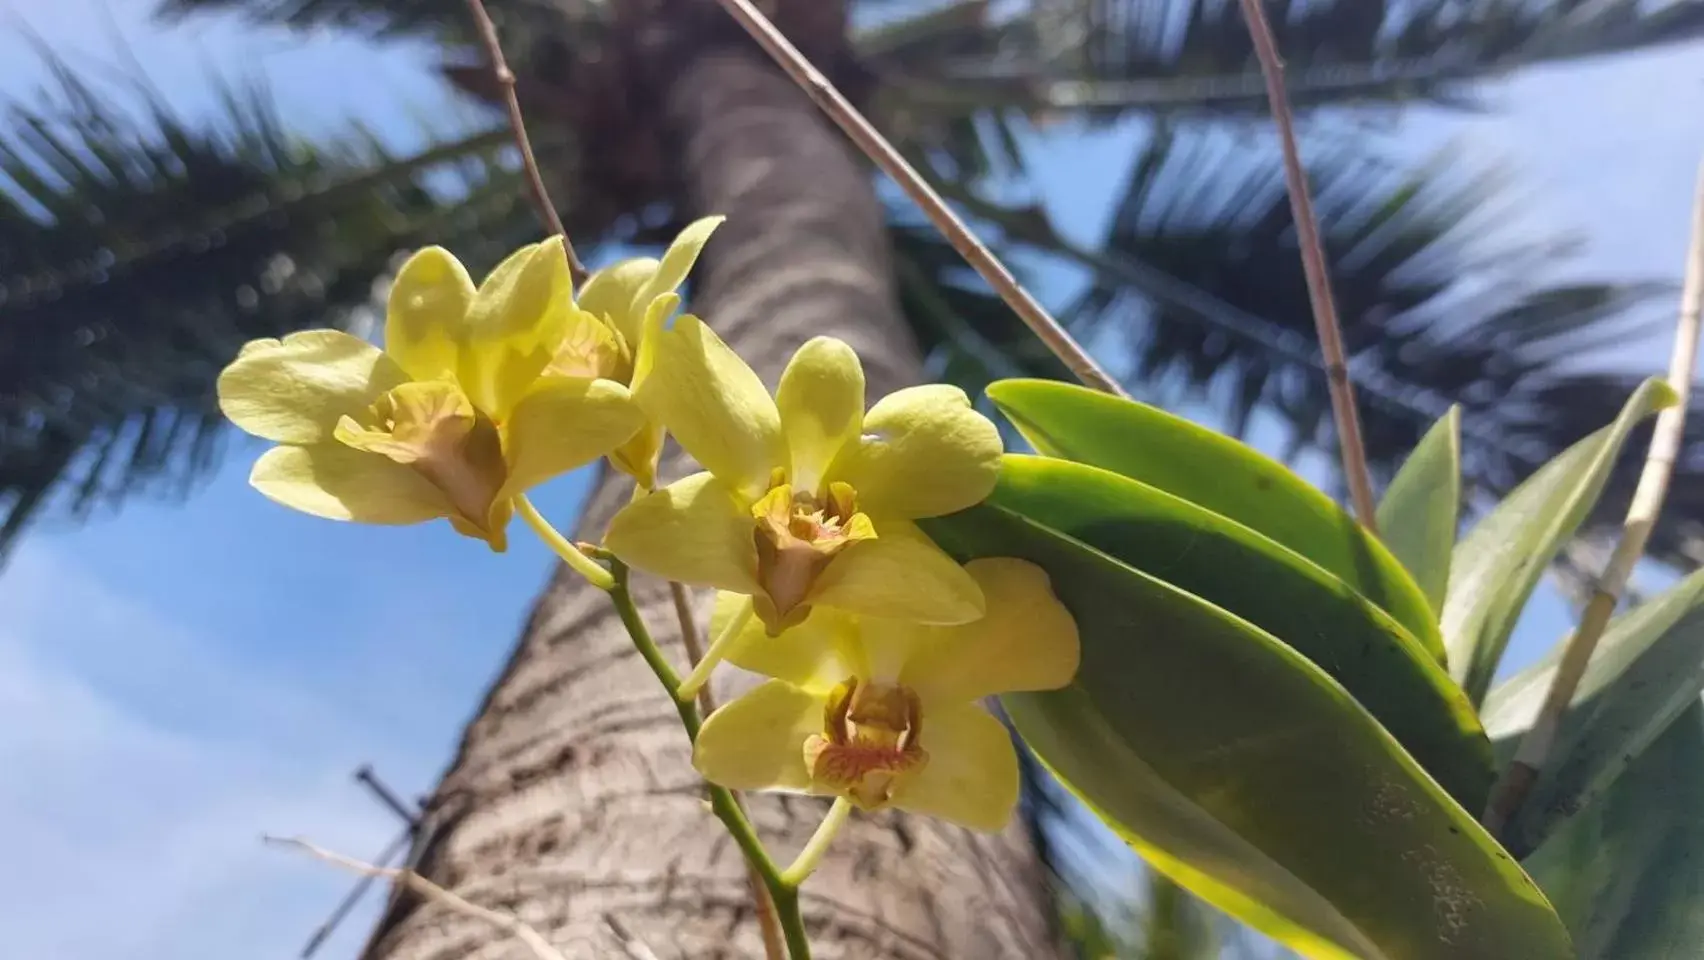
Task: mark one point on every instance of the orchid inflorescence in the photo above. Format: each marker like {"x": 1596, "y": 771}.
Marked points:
{"x": 877, "y": 644}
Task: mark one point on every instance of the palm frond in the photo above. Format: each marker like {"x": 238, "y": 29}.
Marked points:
{"x": 1200, "y": 261}
{"x": 1110, "y": 57}
{"x": 373, "y": 18}
{"x": 1199, "y": 276}
{"x": 138, "y": 252}
{"x": 969, "y": 335}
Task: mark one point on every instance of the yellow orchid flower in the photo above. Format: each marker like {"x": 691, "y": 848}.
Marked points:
{"x": 806, "y": 499}
{"x": 884, "y": 713}
{"x": 454, "y": 418}
{"x": 620, "y": 295}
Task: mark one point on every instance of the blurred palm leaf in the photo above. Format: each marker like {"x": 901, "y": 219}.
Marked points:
{"x": 138, "y": 251}
{"x": 377, "y": 18}
{"x": 1195, "y": 55}
{"x": 1198, "y": 274}
{"x": 952, "y": 80}
{"x": 1120, "y": 54}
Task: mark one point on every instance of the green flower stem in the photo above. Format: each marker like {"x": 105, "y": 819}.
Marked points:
{"x": 580, "y": 563}
{"x": 783, "y": 888}
{"x": 792, "y": 924}
{"x": 808, "y": 858}
{"x": 783, "y": 893}
{"x": 717, "y": 653}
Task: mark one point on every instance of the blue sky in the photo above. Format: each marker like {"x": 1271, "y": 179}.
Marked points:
{"x": 177, "y": 679}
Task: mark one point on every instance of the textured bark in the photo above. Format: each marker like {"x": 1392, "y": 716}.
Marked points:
{"x": 572, "y": 797}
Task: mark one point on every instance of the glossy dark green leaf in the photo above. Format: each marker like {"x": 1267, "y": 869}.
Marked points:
{"x": 1175, "y": 926}
{"x": 1648, "y": 667}
{"x": 1627, "y": 874}
{"x": 1418, "y": 515}
{"x": 1291, "y": 598}
{"x": 1495, "y": 567}
{"x": 1230, "y": 478}
{"x": 1245, "y": 773}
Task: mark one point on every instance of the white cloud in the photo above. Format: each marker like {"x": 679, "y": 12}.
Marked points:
{"x": 138, "y": 766}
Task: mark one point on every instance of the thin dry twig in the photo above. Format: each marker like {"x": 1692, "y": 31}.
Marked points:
{"x": 885, "y": 156}
{"x": 511, "y": 925}
{"x": 635, "y": 947}
{"x": 1330, "y": 332}
{"x": 774, "y": 947}
{"x": 535, "y": 181}
{"x": 355, "y": 893}
{"x": 1518, "y": 778}
{"x": 690, "y": 639}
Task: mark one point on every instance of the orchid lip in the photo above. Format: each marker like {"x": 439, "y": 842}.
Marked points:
{"x": 432, "y": 428}
{"x": 797, "y": 536}
{"x": 871, "y": 741}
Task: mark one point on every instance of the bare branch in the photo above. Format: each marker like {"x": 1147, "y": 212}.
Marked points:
{"x": 1517, "y": 780}
{"x": 1330, "y": 332}
{"x": 506, "y": 79}
{"x": 343, "y": 909}
{"x": 635, "y": 947}
{"x": 511, "y": 925}
{"x": 884, "y": 155}
{"x": 690, "y": 639}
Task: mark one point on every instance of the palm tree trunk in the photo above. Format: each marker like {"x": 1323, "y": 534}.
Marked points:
{"x": 572, "y": 798}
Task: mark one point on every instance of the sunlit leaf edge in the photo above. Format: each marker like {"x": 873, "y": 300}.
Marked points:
{"x": 1017, "y": 399}
{"x": 1424, "y": 709}
{"x": 1541, "y": 927}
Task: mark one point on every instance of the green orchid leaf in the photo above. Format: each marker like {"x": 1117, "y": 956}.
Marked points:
{"x": 1274, "y": 588}
{"x": 1227, "y": 477}
{"x": 1647, "y": 669}
{"x": 1627, "y": 873}
{"x": 1494, "y": 569}
{"x": 1176, "y": 926}
{"x": 1246, "y": 774}
{"x": 1418, "y": 515}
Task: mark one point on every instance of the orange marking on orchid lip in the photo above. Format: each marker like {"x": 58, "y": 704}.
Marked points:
{"x": 845, "y": 764}
{"x": 871, "y": 739}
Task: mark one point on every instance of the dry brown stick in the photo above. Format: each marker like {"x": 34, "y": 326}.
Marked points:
{"x": 1518, "y": 778}
{"x": 635, "y": 947}
{"x": 774, "y": 947}
{"x": 878, "y": 149}
{"x": 691, "y": 641}
{"x": 770, "y": 926}
{"x": 1330, "y": 332}
{"x": 535, "y": 181}
{"x": 512, "y": 925}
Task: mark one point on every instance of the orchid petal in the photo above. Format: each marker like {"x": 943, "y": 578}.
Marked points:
{"x": 814, "y": 656}
{"x": 900, "y": 575}
{"x": 426, "y": 313}
{"x": 693, "y": 531}
{"x": 562, "y": 424}
{"x": 821, "y": 400}
{"x": 924, "y": 452}
{"x": 713, "y": 404}
{"x": 1026, "y": 641}
{"x": 296, "y": 390}
{"x": 756, "y": 742}
{"x": 341, "y": 483}
{"x": 971, "y": 777}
